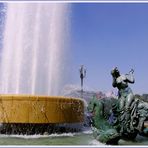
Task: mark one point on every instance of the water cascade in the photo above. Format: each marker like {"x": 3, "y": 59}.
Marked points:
{"x": 34, "y": 48}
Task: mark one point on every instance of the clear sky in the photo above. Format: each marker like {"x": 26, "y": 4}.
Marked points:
{"x": 107, "y": 35}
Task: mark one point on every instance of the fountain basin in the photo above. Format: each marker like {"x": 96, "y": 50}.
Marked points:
{"x": 40, "y": 109}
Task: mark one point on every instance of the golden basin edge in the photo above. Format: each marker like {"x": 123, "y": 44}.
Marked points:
{"x": 40, "y": 109}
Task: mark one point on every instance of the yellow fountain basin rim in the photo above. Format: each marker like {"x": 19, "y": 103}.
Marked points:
{"x": 40, "y": 109}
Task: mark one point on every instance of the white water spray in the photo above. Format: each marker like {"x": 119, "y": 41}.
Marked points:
{"x": 34, "y": 48}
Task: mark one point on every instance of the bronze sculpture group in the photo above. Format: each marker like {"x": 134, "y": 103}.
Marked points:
{"x": 121, "y": 118}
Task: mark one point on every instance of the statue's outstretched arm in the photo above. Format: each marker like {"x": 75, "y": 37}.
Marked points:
{"x": 130, "y": 78}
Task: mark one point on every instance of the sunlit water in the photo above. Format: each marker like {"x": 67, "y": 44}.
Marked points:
{"x": 34, "y": 48}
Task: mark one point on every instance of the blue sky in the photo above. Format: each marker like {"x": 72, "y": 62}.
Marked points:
{"x": 107, "y": 35}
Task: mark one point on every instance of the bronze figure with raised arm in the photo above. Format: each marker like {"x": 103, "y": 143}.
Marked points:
{"x": 125, "y": 94}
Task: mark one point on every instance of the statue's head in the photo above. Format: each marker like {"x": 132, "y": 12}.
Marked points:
{"x": 115, "y": 72}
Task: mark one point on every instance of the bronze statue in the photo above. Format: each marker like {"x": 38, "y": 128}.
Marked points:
{"x": 119, "y": 118}
{"x": 125, "y": 94}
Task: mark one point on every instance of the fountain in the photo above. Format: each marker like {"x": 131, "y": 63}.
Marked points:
{"x": 32, "y": 68}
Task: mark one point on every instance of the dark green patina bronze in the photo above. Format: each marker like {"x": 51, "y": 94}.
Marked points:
{"x": 123, "y": 117}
